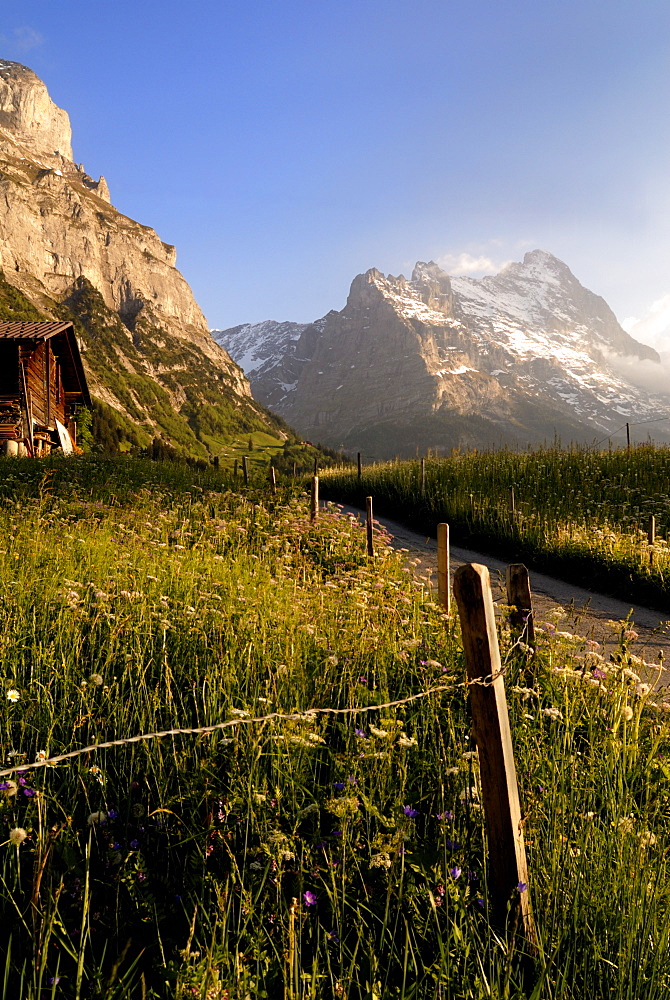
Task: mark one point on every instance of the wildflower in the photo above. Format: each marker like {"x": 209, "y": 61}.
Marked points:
{"x": 448, "y": 815}
{"x": 13, "y": 695}
{"x": 8, "y": 788}
{"x": 379, "y": 733}
{"x": 522, "y": 886}
{"x": 97, "y": 679}
{"x": 625, "y": 824}
{"x": 647, "y": 839}
{"x": 455, "y": 872}
{"x": 452, "y": 845}
{"x": 553, "y": 713}
{"x": 408, "y": 811}
{"x": 360, "y": 732}
{"x": 627, "y": 713}
{"x": 17, "y": 835}
{"x": 630, "y": 634}
{"x": 381, "y": 860}
{"x": 29, "y": 792}
{"x": 469, "y": 794}
{"x": 344, "y": 807}
{"x": 452, "y": 770}
{"x": 362, "y": 680}
{"x": 41, "y": 755}
{"x": 310, "y": 898}
{"x": 338, "y": 786}
{"x": 642, "y": 689}
{"x": 592, "y": 645}
{"x": 332, "y": 661}
{"x": 239, "y": 713}
{"x": 599, "y": 674}
{"x": 112, "y": 814}
{"x": 97, "y": 817}
{"x": 470, "y": 755}
{"x": 406, "y": 741}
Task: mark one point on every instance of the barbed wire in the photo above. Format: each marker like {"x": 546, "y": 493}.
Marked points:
{"x": 309, "y": 714}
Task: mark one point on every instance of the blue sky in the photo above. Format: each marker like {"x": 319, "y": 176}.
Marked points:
{"x": 286, "y": 146}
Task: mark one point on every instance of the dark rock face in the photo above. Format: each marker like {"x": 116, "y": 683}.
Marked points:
{"x": 440, "y": 362}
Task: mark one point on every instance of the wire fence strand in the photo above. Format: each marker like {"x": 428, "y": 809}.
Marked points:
{"x": 307, "y": 715}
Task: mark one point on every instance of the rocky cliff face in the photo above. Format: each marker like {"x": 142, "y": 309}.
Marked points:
{"x": 440, "y": 362}
{"x": 60, "y": 235}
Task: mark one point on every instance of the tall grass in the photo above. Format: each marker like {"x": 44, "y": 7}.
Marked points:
{"x": 324, "y": 856}
{"x": 578, "y": 513}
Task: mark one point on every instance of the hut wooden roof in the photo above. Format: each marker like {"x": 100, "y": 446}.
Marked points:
{"x": 65, "y": 347}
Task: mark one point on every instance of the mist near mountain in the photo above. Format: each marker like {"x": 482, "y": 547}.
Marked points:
{"x": 439, "y": 361}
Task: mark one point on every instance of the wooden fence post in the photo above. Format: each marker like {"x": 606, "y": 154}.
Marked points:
{"x": 273, "y": 479}
{"x": 314, "y": 507}
{"x": 511, "y": 499}
{"x": 360, "y": 467}
{"x": 316, "y": 466}
{"x": 368, "y": 526}
{"x": 520, "y": 601}
{"x": 245, "y": 470}
{"x": 443, "y": 595}
{"x": 508, "y": 874}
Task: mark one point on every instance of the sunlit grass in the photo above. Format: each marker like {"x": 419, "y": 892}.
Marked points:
{"x": 327, "y": 856}
{"x": 578, "y": 513}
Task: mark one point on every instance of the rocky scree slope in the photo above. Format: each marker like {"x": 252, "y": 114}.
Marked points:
{"x": 440, "y": 362}
{"x": 151, "y": 362}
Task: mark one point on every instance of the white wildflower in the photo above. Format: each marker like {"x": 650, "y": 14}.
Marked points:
{"x": 552, "y": 713}
{"x": 17, "y": 835}
{"x": 381, "y": 860}
{"x": 647, "y": 838}
{"x": 239, "y": 713}
{"x": 13, "y": 695}
{"x": 381, "y": 734}
{"x": 642, "y": 689}
{"x": 627, "y": 713}
{"x": 406, "y": 741}
{"x": 96, "y": 679}
{"x": 625, "y": 824}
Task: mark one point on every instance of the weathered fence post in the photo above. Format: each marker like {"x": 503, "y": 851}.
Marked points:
{"x": 360, "y": 467}
{"x": 314, "y": 507}
{"x": 508, "y": 875}
{"x": 316, "y": 466}
{"x": 368, "y": 526}
{"x": 245, "y": 469}
{"x": 511, "y": 499}
{"x": 273, "y": 479}
{"x": 294, "y": 469}
{"x": 520, "y": 601}
{"x": 443, "y": 595}
{"x": 423, "y": 477}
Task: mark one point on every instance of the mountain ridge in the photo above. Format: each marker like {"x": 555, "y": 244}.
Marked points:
{"x": 146, "y": 345}
{"x": 522, "y": 355}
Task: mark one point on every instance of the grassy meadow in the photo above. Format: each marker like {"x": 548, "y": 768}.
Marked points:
{"x": 294, "y": 853}
{"x": 580, "y": 514}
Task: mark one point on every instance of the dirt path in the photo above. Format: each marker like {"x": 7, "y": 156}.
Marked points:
{"x": 586, "y": 612}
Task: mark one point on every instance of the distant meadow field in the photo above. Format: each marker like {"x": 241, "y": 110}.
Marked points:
{"x": 294, "y": 851}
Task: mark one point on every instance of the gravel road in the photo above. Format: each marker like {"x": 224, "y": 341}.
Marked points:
{"x": 586, "y": 613}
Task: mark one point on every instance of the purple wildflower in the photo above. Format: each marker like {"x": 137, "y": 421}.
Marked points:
{"x": 310, "y": 898}
{"x": 480, "y": 902}
{"x": 408, "y": 811}
{"x": 134, "y": 844}
{"x": 363, "y": 680}
{"x": 359, "y": 732}
{"x": 30, "y": 792}
{"x": 352, "y": 780}
{"x": 522, "y": 886}
{"x": 112, "y": 814}
{"x": 452, "y": 845}
{"x": 338, "y": 786}
{"x": 455, "y": 872}
{"x": 600, "y": 674}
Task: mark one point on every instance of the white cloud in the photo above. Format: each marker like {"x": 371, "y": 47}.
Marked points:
{"x": 22, "y": 39}
{"x": 466, "y": 263}
{"x": 654, "y": 327}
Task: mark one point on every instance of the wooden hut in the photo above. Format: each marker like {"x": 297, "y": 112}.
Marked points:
{"x": 42, "y": 382}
